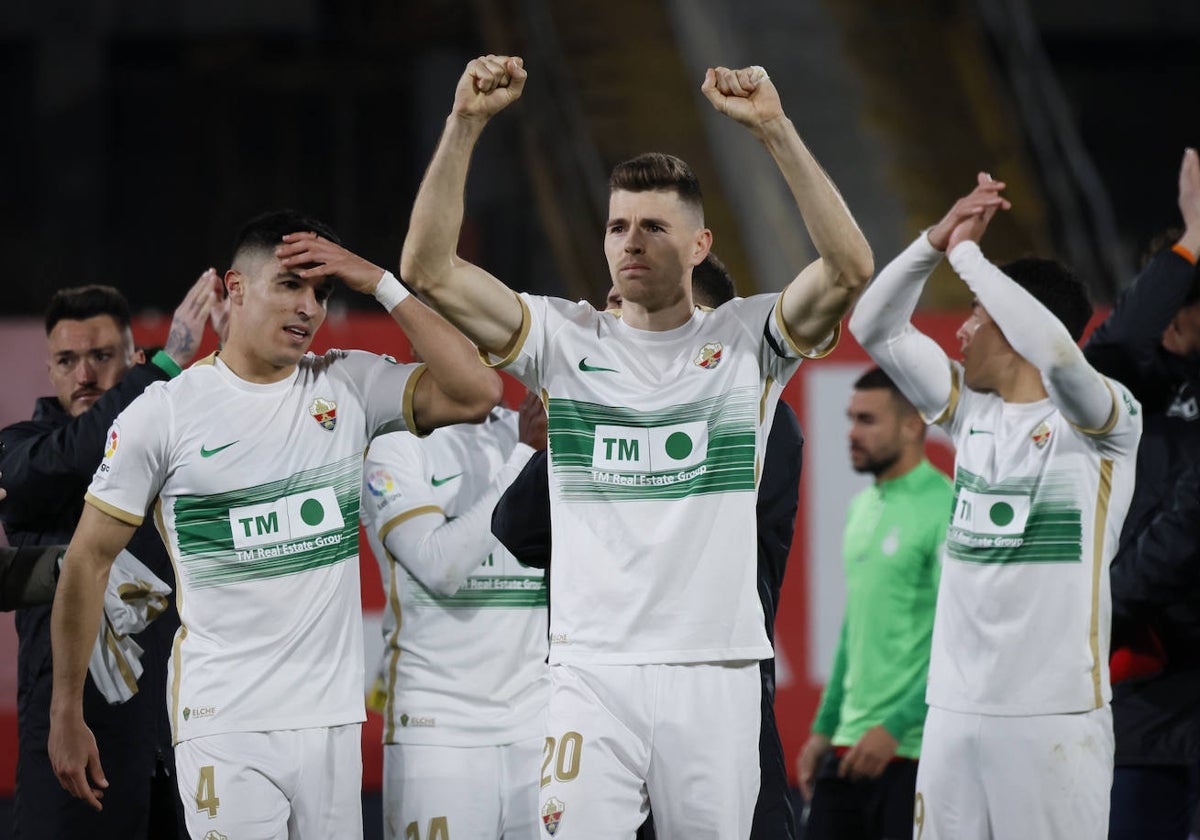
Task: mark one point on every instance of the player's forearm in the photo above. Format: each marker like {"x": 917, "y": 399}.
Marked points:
{"x": 1075, "y": 387}
{"x": 74, "y": 623}
{"x": 882, "y": 325}
{"x": 442, "y": 553}
{"x": 431, "y": 246}
{"x": 832, "y": 228}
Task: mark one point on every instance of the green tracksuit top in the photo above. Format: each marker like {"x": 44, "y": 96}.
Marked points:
{"x": 891, "y": 552}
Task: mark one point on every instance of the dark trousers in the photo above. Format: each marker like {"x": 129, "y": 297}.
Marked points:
{"x": 773, "y": 817}
{"x": 875, "y": 809}
{"x": 1152, "y": 802}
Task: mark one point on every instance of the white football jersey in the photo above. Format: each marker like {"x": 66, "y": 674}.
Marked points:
{"x": 467, "y": 669}
{"x": 1024, "y": 607}
{"x": 258, "y": 491}
{"x": 656, "y": 440}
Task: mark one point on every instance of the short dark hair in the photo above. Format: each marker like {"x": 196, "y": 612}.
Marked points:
{"x": 657, "y": 171}
{"x": 1055, "y": 287}
{"x": 876, "y": 378}
{"x": 264, "y": 232}
{"x": 83, "y": 302}
{"x": 712, "y": 284}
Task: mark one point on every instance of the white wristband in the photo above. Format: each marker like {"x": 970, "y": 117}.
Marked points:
{"x": 390, "y": 292}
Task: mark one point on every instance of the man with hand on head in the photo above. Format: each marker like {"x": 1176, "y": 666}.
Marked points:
{"x": 657, "y": 423}
{"x": 1018, "y": 740}
{"x": 255, "y": 459}
{"x": 47, "y": 462}
{"x": 859, "y": 766}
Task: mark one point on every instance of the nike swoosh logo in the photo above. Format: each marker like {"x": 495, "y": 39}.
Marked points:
{"x": 586, "y": 368}
{"x": 438, "y": 482}
{"x": 979, "y": 432}
{"x": 208, "y": 453}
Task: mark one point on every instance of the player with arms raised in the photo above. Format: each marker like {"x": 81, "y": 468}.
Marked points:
{"x": 657, "y": 421}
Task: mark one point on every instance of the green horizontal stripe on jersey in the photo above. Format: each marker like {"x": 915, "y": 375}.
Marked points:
{"x": 209, "y": 555}
{"x": 730, "y": 419}
{"x": 1053, "y": 531}
{"x": 505, "y": 592}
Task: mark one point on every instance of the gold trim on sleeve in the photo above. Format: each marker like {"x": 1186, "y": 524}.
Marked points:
{"x": 1113, "y": 416}
{"x": 782, "y": 326}
{"x": 113, "y": 511}
{"x": 1102, "y": 498}
{"x": 509, "y": 352}
{"x": 408, "y": 406}
{"x": 955, "y": 392}
{"x": 404, "y": 517}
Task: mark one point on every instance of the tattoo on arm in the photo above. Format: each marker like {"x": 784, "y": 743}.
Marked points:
{"x": 180, "y": 343}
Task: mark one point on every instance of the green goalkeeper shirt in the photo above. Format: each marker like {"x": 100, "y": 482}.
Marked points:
{"x": 892, "y": 558}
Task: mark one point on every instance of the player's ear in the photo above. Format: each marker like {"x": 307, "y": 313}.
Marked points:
{"x": 235, "y": 285}
{"x": 701, "y": 246}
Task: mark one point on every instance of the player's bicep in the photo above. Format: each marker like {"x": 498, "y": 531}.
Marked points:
{"x": 479, "y": 305}
{"x": 98, "y": 539}
{"x": 432, "y": 408}
{"x": 813, "y": 304}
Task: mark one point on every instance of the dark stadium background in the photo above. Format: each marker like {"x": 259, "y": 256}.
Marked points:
{"x": 138, "y": 135}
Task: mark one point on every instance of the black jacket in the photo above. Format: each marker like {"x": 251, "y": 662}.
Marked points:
{"x": 1157, "y": 567}
{"x": 47, "y": 463}
{"x": 28, "y": 575}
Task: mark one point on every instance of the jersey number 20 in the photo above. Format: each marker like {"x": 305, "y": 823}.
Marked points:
{"x": 564, "y": 753}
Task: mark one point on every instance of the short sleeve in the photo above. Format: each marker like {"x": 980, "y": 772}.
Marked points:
{"x": 396, "y": 484}
{"x": 135, "y": 462}
{"x": 385, "y": 387}
{"x": 525, "y": 357}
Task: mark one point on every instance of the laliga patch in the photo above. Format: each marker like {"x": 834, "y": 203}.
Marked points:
{"x": 552, "y": 813}
{"x": 324, "y": 412}
{"x": 110, "y": 443}
{"x": 1041, "y": 435}
{"x": 380, "y": 483}
{"x": 709, "y": 356}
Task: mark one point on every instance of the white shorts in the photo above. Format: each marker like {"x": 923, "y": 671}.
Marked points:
{"x": 986, "y": 777}
{"x": 295, "y": 784}
{"x": 683, "y": 738}
{"x": 436, "y": 792}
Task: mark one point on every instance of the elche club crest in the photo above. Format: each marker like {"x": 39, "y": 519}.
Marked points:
{"x": 1041, "y": 435}
{"x": 552, "y": 813}
{"x": 709, "y": 356}
{"x": 324, "y": 412}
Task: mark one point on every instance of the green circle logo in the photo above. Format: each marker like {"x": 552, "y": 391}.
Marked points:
{"x": 311, "y": 512}
{"x": 1001, "y": 513}
{"x": 679, "y": 446}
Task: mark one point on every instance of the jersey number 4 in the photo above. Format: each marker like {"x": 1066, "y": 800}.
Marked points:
{"x": 206, "y": 792}
{"x": 564, "y": 753}
{"x": 439, "y": 829}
